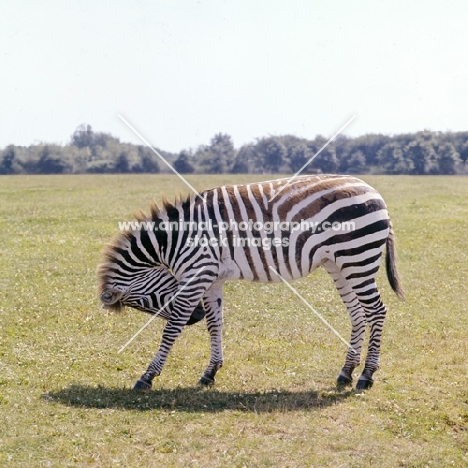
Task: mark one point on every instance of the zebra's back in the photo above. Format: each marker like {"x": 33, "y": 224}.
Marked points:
{"x": 314, "y": 219}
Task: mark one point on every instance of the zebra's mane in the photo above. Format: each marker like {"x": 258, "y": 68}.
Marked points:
{"x": 158, "y": 213}
{"x": 122, "y": 239}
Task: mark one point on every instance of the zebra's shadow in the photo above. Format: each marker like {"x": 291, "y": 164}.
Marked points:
{"x": 196, "y": 399}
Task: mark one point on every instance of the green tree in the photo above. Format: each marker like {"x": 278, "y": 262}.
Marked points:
{"x": 122, "y": 163}
{"x": 271, "y": 154}
{"x": 53, "y": 160}
{"x": 100, "y": 139}
{"x": 298, "y": 155}
{"x": 8, "y": 161}
{"x": 422, "y": 155}
{"x": 148, "y": 162}
{"x": 356, "y": 163}
{"x": 79, "y": 157}
{"x": 326, "y": 161}
{"x": 369, "y": 145}
{"x": 83, "y": 136}
{"x": 182, "y": 164}
{"x": 448, "y": 159}
{"x": 218, "y": 157}
{"x": 464, "y": 152}
{"x": 101, "y": 166}
{"x": 244, "y": 160}
{"x": 393, "y": 160}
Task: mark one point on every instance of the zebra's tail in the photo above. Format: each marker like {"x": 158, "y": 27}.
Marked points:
{"x": 390, "y": 263}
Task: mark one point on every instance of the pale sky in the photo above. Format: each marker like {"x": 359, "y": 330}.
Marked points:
{"x": 182, "y": 70}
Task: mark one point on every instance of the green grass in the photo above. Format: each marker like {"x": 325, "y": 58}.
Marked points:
{"x": 65, "y": 397}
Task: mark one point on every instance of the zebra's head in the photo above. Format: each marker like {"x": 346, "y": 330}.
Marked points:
{"x": 149, "y": 290}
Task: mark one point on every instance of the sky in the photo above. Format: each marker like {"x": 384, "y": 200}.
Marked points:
{"x": 181, "y": 71}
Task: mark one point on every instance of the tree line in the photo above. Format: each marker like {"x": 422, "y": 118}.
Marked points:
{"x": 424, "y": 152}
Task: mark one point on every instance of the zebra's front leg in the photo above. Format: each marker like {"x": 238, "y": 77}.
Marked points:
{"x": 171, "y": 332}
{"x": 213, "y": 301}
{"x": 183, "y": 308}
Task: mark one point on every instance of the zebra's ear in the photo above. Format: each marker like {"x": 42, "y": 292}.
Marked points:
{"x": 110, "y": 296}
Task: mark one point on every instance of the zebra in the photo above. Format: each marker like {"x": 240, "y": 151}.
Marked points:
{"x": 142, "y": 268}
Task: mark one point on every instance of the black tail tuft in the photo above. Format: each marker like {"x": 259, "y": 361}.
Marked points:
{"x": 390, "y": 263}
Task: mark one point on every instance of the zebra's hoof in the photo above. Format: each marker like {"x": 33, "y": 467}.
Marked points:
{"x": 206, "y": 380}
{"x": 343, "y": 381}
{"x": 364, "y": 384}
{"x": 142, "y": 386}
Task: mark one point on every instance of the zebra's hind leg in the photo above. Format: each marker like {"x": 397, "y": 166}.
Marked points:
{"x": 213, "y": 301}
{"x": 358, "y": 323}
{"x": 375, "y": 315}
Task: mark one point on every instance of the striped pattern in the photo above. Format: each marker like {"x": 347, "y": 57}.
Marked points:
{"x": 143, "y": 268}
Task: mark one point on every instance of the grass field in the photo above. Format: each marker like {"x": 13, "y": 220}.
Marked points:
{"x": 65, "y": 397}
